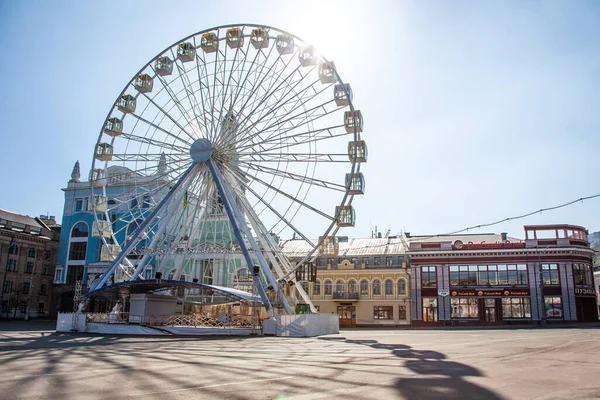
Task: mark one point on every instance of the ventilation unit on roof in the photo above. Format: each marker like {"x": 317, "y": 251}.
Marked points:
{"x": 342, "y": 239}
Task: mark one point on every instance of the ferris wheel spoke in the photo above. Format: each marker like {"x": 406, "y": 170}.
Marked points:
{"x": 300, "y": 178}
{"x": 187, "y": 89}
{"x": 252, "y": 99}
{"x": 295, "y": 157}
{"x": 163, "y": 130}
{"x": 269, "y": 111}
{"x": 153, "y": 142}
{"x": 170, "y": 117}
{"x": 149, "y": 157}
{"x": 279, "y": 191}
{"x": 204, "y": 86}
{"x": 176, "y": 103}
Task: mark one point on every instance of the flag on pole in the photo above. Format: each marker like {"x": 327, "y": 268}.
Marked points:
{"x": 185, "y": 199}
{"x": 12, "y": 244}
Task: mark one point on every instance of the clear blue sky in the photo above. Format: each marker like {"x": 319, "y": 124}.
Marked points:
{"x": 474, "y": 111}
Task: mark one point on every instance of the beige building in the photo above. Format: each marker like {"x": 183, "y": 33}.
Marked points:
{"x": 28, "y": 249}
{"x": 364, "y": 281}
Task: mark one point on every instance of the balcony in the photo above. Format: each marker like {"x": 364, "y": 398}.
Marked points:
{"x": 345, "y": 296}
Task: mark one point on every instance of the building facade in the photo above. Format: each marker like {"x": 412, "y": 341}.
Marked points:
{"x": 492, "y": 279}
{"x": 28, "y": 251}
{"x": 364, "y": 281}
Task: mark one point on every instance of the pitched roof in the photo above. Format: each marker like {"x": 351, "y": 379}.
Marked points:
{"x": 465, "y": 238}
{"x": 18, "y": 218}
{"x": 353, "y": 247}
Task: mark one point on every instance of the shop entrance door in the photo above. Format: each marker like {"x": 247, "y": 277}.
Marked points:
{"x": 490, "y": 310}
{"x": 347, "y": 315}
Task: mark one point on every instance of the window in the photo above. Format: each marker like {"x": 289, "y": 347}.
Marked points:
{"x": 376, "y": 287}
{"x": 550, "y": 274}
{"x": 428, "y": 277}
{"x": 4, "y": 306}
{"x": 516, "y": 307}
{"x": 31, "y": 252}
{"x": 58, "y": 275}
{"x": 74, "y": 273}
{"x": 389, "y": 261}
{"x": 364, "y": 287}
{"x": 23, "y": 307}
{"x": 328, "y": 288}
{"x": 354, "y": 260}
{"x": 29, "y": 268}
{"x": 80, "y": 230}
{"x": 402, "y": 313}
{"x": 484, "y": 275}
{"x": 553, "y": 307}
{"x": 365, "y": 261}
{"x": 582, "y": 274}
{"x": 330, "y": 261}
{"x": 305, "y": 287}
{"x": 317, "y": 288}
{"x": 339, "y": 287}
{"x": 8, "y": 286}
{"x": 133, "y": 203}
{"x": 383, "y": 312}
{"x": 78, "y": 205}
{"x": 47, "y": 255}
{"x": 430, "y": 309}
{"x": 146, "y": 201}
{"x": 148, "y": 273}
{"x": 401, "y": 286}
{"x": 321, "y": 262}
{"x": 77, "y": 251}
{"x": 26, "y": 287}
{"x": 352, "y": 286}
{"x": 45, "y": 269}
{"x": 389, "y": 287}
{"x": 40, "y": 308}
{"x": 12, "y": 265}
{"x": 43, "y": 289}
{"x": 464, "y": 307}
{"x": 377, "y": 261}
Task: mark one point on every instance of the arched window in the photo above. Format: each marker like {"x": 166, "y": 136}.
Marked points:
{"x": 171, "y": 275}
{"x": 339, "y": 287}
{"x": 31, "y": 252}
{"x": 80, "y": 230}
{"x": 389, "y": 287}
{"x": 364, "y": 287}
{"x": 328, "y": 287}
{"x": 317, "y": 288}
{"x": 376, "y": 287}
{"x": 401, "y": 286}
{"x": 352, "y": 286}
{"x": 305, "y": 286}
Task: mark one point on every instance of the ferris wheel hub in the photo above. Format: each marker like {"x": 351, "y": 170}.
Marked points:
{"x": 201, "y": 150}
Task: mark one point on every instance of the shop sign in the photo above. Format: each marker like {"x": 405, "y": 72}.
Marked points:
{"x": 490, "y": 293}
{"x": 459, "y": 245}
{"x": 443, "y": 292}
{"x": 584, "y": 291}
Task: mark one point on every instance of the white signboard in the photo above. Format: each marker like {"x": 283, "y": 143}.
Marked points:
{"x": 443, "y": 292}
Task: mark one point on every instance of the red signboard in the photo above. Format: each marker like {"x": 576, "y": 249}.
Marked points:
{"x": 489, "y": 292}
{"x": 459, "y": 245}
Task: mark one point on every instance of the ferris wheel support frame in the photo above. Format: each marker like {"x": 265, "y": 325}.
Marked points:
{"x": 137, "y": 235}
{"x": 235, "y": 217}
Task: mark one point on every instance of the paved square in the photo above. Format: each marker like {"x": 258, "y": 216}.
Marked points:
{"x": 358, "y": 364}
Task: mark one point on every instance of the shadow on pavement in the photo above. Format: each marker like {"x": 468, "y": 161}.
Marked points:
{"x": 435, "y": 377}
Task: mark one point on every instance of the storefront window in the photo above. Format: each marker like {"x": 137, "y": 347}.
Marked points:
{"x": 464, "y": 307}
{"x": 550, "y": 274}
{"x": 428, "y": 277}
{"x": 402, "y": 313}
{"x": 553, "y": 306}
{"x": 516, "y": 307}
{"x": 430, "y": 309}
{"x": 383, "y": 312}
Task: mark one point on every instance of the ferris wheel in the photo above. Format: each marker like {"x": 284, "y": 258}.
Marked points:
{"x": 226, "y": 141}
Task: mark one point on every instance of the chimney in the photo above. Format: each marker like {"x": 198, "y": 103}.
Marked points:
{"x": 503, "y": 235}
